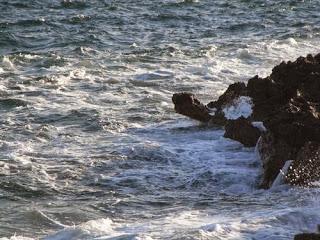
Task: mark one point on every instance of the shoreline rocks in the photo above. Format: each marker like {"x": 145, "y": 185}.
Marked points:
{"x": 287, "y": 103}
{"x": 306, "y": 168}
{"x": 242, "y": 131}
{"x": 307, "y": 236}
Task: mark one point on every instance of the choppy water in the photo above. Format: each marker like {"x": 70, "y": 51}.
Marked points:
{"x": 90, "y": 147}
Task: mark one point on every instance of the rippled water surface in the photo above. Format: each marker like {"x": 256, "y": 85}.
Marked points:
{"x": 90, "y": 147}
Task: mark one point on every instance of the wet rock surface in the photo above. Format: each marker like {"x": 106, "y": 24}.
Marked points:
{"x": 307, "y": 236}
{"x": 186, "y": 104}
{"x": 233, "y": 92}
{"x": 273, "y": 153}
{"x": 287, "y": 103}
{"x": 242, "y": 130}
{"x": 306, "y": 168}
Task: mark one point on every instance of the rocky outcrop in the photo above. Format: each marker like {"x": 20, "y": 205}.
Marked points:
{"x": 287, "y": 103}
{"x": 242, "y": 130}
{"x": 274, "y": 152}
{"x": 233, "y": 92}
{"x": 186, "y": 104}
{"x": 307, "y": 236}
{"x": 306, "y": 168}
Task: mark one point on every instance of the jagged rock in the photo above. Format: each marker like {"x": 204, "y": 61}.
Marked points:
{"x": 307, "y": 236}
{"x": 234, "y": 91}
{"x": 288, "y": 80}
{"x": 266, "y": 96}
{"x": 306, "y": 167}
{"x": 298, "y": 75}
{"x": 287, "y": 103}
{"x": 291, "y": 116}
{"x": 274, "y": 152}
{"x": 297, "y": 122}
{"x": 242, "y": 130}
{"x": 186, "y": 104}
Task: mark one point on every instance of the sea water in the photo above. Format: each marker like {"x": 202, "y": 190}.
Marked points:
{"x": 90, "y": 146}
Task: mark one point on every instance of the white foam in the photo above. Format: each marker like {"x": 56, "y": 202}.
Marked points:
{"x": 17, "y": 238}
{"x": 30, "y": 56}
{"x": 281, "y": 176}
{"x": 7, "y": 63}
{"x": 259, "y": 125}
{"x": 93, "y": 228}
{"x": 212, "y": 111}
{"x": 242, "y": 106}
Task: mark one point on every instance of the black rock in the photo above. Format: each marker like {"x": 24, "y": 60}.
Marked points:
{"x": 242, "y": 130}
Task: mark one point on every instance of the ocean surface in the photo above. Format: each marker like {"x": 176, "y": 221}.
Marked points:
{"x": 90, "y": 146}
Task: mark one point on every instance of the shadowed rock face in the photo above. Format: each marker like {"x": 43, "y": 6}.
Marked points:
{"x": 288, "y": 104}
{"x": 307, "y": 236}
{"x": 266, "y": 96}
{"x": 302, "y": 75}
{"x": 290, "y": 112}
{"x": 274, "y": 152}
{"x": 296, "y": 122}
{"x": 234, "y": 91}
{"x": 186, "y": 104}
{"x": 306, "y": 167}
{"x": 242, "y": 130}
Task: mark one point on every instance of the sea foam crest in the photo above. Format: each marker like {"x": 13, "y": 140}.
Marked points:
{"x": 92, "y": 228}
{"x": 242, "y": 106}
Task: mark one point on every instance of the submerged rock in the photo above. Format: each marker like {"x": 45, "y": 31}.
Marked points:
{"x": 287, "y": 103}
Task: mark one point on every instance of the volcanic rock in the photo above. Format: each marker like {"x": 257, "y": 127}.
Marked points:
{"x": 306, "y": 168}
{"x": 307, "y": 236}
{"x": 287, "y": 103}
{"x": 266, "y": 96}
{"x": 186, "y": 104}
{"x": 233, "y": 92}
{"x": 297, "y": 122}
{"x": 274, "y": 152}
{"x": 242, "y": 130}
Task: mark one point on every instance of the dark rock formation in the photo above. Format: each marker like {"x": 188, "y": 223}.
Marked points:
{"x": 234, "y": 91}
{"x": 266, "y": 96}
{"x": 242, "y": 130}
{"x": 289, "y": 129}
{"x": 306, "y": 167}
{"x": 296, "y": 122}
{"x": 307, "y": 236}
{"x": 274, "y": 152}
{"x": 292, "y": 116}
{"x": 186, "y": 104}
{"x": 288, "y": 104}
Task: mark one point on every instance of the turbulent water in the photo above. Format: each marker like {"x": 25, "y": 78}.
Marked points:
{"x": 90, "y": 146}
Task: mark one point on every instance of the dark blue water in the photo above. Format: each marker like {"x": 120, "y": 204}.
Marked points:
{"x": 90, "y": 147}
